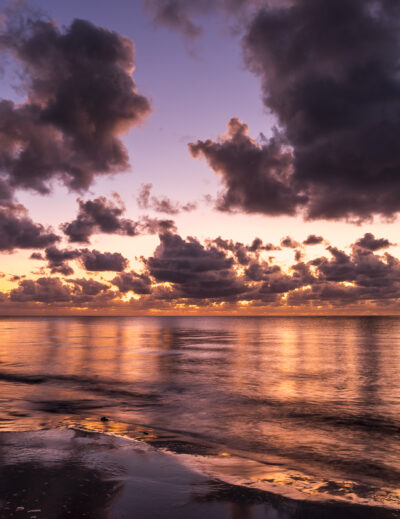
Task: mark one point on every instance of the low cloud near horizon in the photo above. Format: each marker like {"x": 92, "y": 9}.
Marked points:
{"x": 219, "y": 273}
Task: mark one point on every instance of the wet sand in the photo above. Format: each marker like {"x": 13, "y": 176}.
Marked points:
{"x": 70, "y": 473}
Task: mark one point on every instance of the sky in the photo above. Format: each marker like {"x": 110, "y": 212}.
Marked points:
{"x": 227, "y": 157}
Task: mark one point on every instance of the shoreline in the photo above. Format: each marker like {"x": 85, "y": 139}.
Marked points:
{"x": 73, "y": 472}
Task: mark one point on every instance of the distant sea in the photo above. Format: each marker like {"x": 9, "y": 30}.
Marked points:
{"x": 300, "y": 406}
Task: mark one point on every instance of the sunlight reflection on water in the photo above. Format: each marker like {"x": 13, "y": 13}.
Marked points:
{"x": 319, "y": 398}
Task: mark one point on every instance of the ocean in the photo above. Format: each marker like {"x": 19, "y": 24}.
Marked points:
{"x": 306, "y": 407}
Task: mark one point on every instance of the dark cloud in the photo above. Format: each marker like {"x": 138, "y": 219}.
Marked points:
{"x": 91, "y": 260}
{"x": 361, "y": 267}
{"x": 80, "y": 99}
{"x": 229, "y": 271}
{"x": 42, "y": 290}
{"x": 176, "y": 14}
{"x": 15, "y": 278}
{"x": 143, "y": 198}
{"x": 339, "y": 296}
{"x": 239, "y": 250}
{"x": 342, "y": 279}
{"x": 131, "y": 281}
{"x": 275, "y": 283}
{"x": 298, "y": 255}
{"x": 368, "y": 241}
{"x": 89, "y": 287}
{"x": 58, "y": 258}
{"x": 162, "y": 204}
{"x": 289, "y": 242}
{"x": 258, "y": 270}
{"x": 36, "y": 256}
{"x": 102, "y": 261}
{"x": 167, "y": 206}
{"x": 340, "y": 268}
{"x": 258, "y": 245}
{"x": 6, "y": 194}
{"x": 196, "y": 271}
{"x": 156, "y": 225}
{"x": 51, "y": 290}
{"x": 180, "y": 14}
{"x": 18, "y": 231}
{"x": 187, "y": 272}
{"x": 242, "y": 253}
{"x": 329, "y": 72}
{"x": 99, "y": 216}
{"x": 256, "y": 175}
{"x": 313, "y": 239}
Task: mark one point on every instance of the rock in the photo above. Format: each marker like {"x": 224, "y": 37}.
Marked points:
{"x": 104, "y": 419}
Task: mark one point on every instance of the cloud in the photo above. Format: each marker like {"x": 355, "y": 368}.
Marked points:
{"x": 6, "y": 194}
{"x": 42, "y": 290}
{"x": 329, "y": 73}
{"x": 51, "y": 290}
{"x": 89, "y": 287}
{"x": 156, "y": 225}
{"x": 361, "y": 267}
{"x": 368, "y": 241}
{"x": 58, "y": 258}
{"x": 131, "y": 281}
{"x": 298, "y": 255}
{"x": 93, "y": 260}
{"x": 241, "y": 252}
{"x": 99, "y": 216}
{"x": 258, "y": 245}
{"x": 313, "y": 239}
{"x": 103, "y": 261}
{"x": 219, "y": 272}
{"x": 80, "y": 98}
{"x": 165, "y": 205}
{"x": 162, "y": 204}
{"x": 179, "y": 14}
{"x": 143, "y": 198}
{"x": 36, "y": 256}
{"x": 18, "y": 231}
{"x": 289, "y": 243}
{"x": 273, "y": 282}
{"x": 256, "y": 176}
{"x": 176, "y": 14}
{"x": 195, "y": 271}
{"x": 343, "y": 279}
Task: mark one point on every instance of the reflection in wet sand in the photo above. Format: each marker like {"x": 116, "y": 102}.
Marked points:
{"x": 59, "y": 474}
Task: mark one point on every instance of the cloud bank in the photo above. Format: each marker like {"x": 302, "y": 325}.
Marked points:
{"x": 220, "y": 275}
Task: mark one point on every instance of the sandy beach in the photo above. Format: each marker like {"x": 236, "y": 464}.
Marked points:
{"x": 70, "y": 473}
